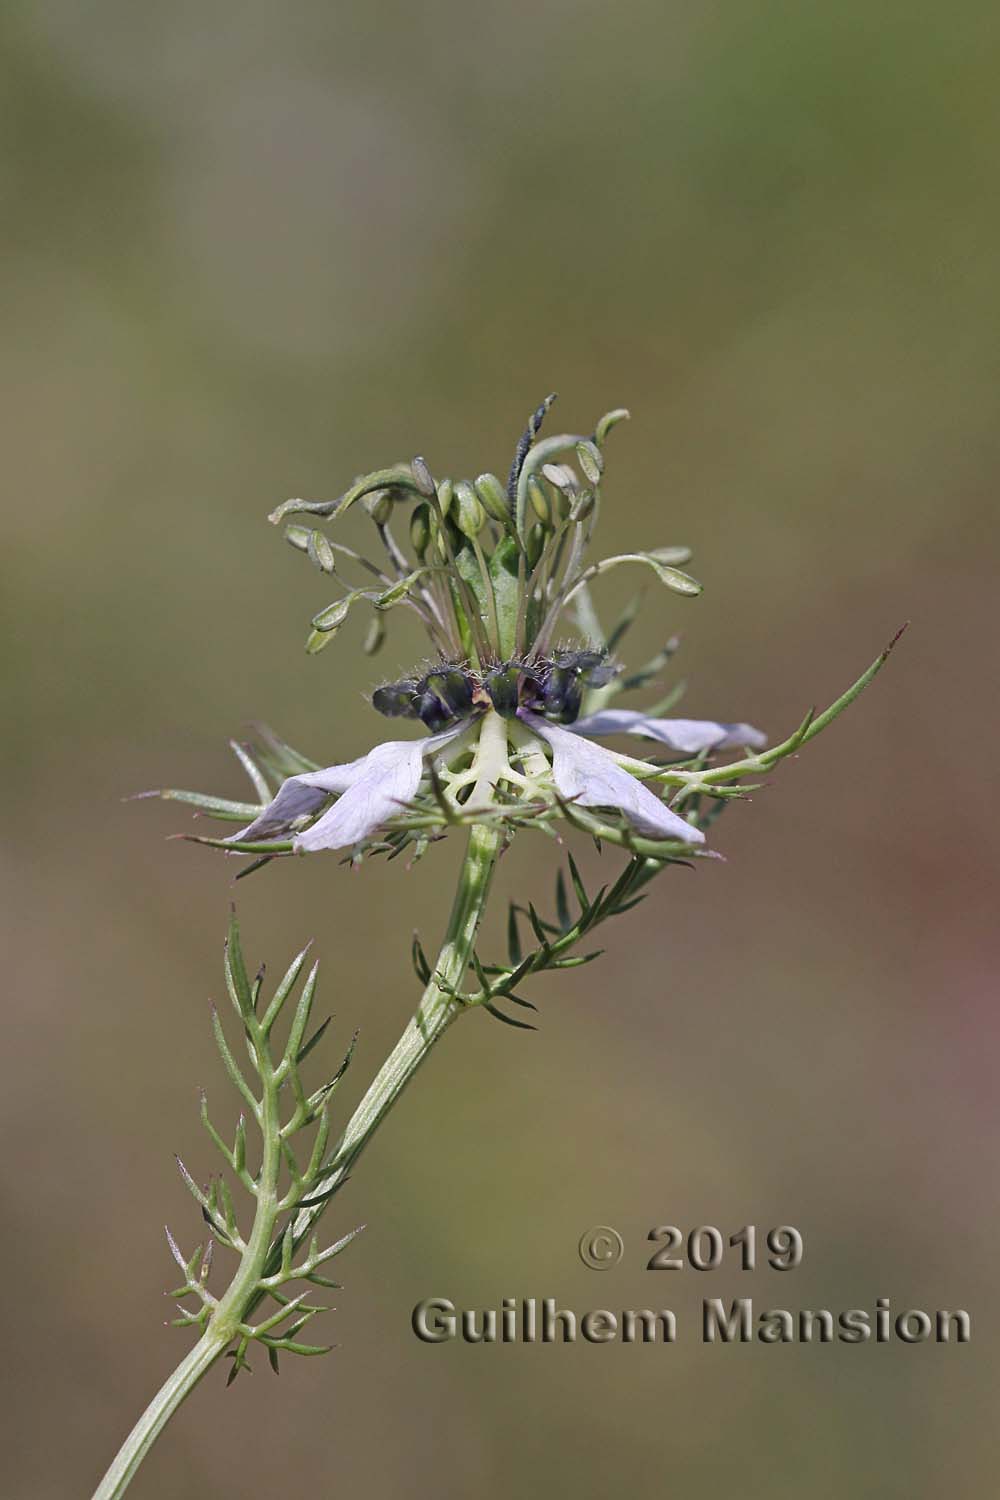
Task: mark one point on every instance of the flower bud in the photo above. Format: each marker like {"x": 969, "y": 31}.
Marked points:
{"x": 334, "y": 615}
{"x": 539, "y": 500}
{"x": 561, "y": 475}
{"x": 564, "y": 486}
{"x": 378, "y": 504}
{"x": 583, "y": 505}
{"x": 609, "y": 420}
{"x": 591, "y": 462}
{"x": 439, "y": 544}
{"x": 320, "y": 552}
{"x": 446, "y": 495}
{"x": 420, "y": 529}
{"x": 535, "y": 543}
{"x": 493, "y": 498}
{"x": 423, "y": 478}
{"x": 374, "y": 636}
{"x": 470, "y": 518}
{"x": 298, "y": 536}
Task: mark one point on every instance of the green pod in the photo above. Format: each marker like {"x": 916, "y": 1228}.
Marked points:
{"x": 535, "y": 543}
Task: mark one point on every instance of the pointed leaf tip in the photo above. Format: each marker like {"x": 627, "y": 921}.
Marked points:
{"x": 902, "y": 629}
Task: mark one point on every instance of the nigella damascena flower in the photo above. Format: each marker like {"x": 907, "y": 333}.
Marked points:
{"x": 503, "y": 756}
{"x": 511, "y": 709}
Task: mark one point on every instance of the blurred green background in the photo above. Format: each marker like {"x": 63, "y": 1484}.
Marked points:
{"x": 253, "y": 250}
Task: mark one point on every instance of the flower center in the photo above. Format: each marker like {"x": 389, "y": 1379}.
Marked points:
{"x": 552, "y": 686}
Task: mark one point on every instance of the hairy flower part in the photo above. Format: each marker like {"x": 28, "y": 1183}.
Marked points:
{"x": 493, "y": 572}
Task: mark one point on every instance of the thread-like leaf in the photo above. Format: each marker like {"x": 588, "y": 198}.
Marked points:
{"x": 258, "y": 780}
{"x": 508, "y": 1020}
{"x": 237, "y": 982}
{"x": 231, "y": 1066}
{"x": 308, "y": 1046}
{"x": 213, "y": 1133}
{"x": 519, "y": 1000}
{"x": 562, "y": 904}
{"x": 219, "y": 807}
{"x": 514, "y": 948}
{"x": 301, "y": 1018}
{"x": 421, "y": 967}
{"x": 283, "y": 991}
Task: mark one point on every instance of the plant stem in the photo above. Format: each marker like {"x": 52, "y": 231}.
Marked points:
{"x": 434, "y": 1014}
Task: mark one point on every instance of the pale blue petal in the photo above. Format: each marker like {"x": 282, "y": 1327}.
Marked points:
{"x": 590, "y": 776}
{"x": 369, "y": 790}
{"x": 686, "y": 736}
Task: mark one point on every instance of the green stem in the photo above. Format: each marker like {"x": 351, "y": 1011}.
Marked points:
{"x": 435, "y": 1013}
{"x": 168, "y": 1398}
